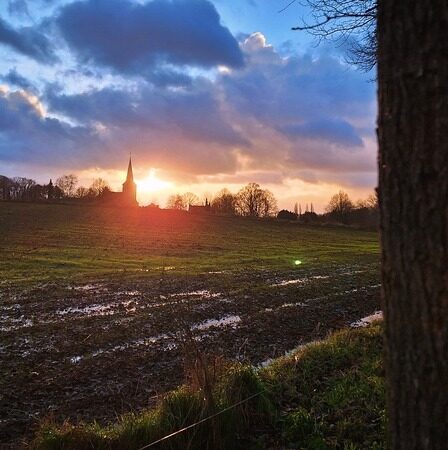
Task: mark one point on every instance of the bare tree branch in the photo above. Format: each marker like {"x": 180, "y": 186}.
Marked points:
{"x": 344, "y": 21}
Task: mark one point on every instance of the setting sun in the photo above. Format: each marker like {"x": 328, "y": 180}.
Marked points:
{"x": 152, "y": 183}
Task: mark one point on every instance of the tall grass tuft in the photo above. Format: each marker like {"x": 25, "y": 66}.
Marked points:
{"x": 328, "y": 395}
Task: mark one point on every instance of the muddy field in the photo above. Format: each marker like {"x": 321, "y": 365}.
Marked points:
{"x": 95, "y": 350}
{"x": 99, "y": 308}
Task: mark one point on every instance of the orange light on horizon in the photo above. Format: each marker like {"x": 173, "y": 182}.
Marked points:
{"x": 152, "y": 183}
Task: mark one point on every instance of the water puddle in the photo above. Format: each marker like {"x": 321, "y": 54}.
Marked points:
{"x": 293, "y": 305}
{"x": 98, "y": 310}
{"x": 338, "y": 294}
{"x": 169, "y": 344}
{"x": 289, "y": 282}
{"x": 204, "y": 293}
{"x": 300, "y": 280}
{"x": 13, "y": 307}
{"x": 352, "y": 272}
{"x": 307, "y": 301}
{"x": 224, "y": 321}
{"x": 129, "y": 293}
{"x": 136, "y": 343}
{"x": 13, "y": 324}
{"x": 90, "y": 287}
{"x": 75, "y": 359}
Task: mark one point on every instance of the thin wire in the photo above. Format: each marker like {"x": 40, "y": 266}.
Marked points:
{"x": 169, "y": 436}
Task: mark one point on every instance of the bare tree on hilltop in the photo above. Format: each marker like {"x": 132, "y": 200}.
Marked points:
{"x": 252, "y": 201}
{"x": 20, "y": 188}
{"x": 98, "y": 187}
{"x": 67, "y": 184}
{"x": 224, "y": 203}
{"x": 340, "y": 206}
{"x": 190, "y": 199}
{"x": 81, "y": 192}
{"x": 176, "y": 201}
{"x": 181, "y": 202}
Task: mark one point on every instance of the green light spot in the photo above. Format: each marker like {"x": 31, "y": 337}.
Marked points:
{"x": 297, "y": 262}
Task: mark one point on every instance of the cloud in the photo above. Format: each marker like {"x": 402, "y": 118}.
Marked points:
{"x": 280, "y": 90}
{"x": 14, "y": 78}
{"x": 134, "y": 38}
{"x": 311, "y": 109}
{"x": 193, "y": 114}
{"x": 28, "y": 41}
{"x": 18, "y": 7}
{"x": 336, "y": 131}
{"x": 276, "y": 118}
{"x": 28, "y": 135}
{"x": 164, "y": 77}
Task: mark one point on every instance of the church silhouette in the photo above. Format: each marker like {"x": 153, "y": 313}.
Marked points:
{"x": 128, "y": 196}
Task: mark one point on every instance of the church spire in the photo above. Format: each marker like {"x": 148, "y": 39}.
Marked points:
{"x": 130, "y": 176}
{"x": 129, "y": 187}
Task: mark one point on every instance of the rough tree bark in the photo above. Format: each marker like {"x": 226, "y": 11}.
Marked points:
{"x": 413, "y": 167}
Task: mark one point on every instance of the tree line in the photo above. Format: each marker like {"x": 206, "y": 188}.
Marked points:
{"x": 254, "y": 201}
{"x": 250, "y": 201}
{"x": 340, "y": 209}
{"x": 65, "y": 187}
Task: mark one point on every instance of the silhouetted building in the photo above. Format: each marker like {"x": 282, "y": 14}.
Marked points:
{"x": 200, "y": 209}
{"x": 128, "y": 196}
{"x": 286, "y": 215}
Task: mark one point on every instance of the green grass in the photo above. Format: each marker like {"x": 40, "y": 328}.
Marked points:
{"x": 43, "y": 241}
{"x": 328, "y": 395}
{"x": 334, "y": 391}
{"x": 177, "y": 410}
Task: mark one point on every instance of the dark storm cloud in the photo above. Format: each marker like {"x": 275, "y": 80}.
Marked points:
{"x": 309, "y": 108}
{"x": 305, "y": 88}
{"x": 28, "y": 41}
{"x": 14, "y": 78}
{"x": 28, "y": 136}
{"x": 134, "y": 38}
{"x": 335, "y": 131}
{"x": 109, "y": 106}
{"x": 165, "y": 77}
{"x": 195, "y": 114}
{"x": 302, "y": 117}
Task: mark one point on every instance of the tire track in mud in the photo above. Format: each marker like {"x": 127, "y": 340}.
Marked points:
{"x": 97, "y": 349}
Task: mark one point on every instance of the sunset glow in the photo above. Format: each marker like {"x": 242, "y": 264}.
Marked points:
{"x": 152, "y": 183}
{"x": 245, "y": 100}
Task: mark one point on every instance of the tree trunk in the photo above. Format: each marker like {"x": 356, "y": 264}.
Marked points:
{"x": 413, "y": 167}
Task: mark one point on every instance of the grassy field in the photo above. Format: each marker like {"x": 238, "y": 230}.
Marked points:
{"x": 326, "y": 396}
{"x": 96, "y": 303}
{"x": 40, "y": 242}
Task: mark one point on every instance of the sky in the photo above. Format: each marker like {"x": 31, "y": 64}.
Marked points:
{"x": 205, "y": 94}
